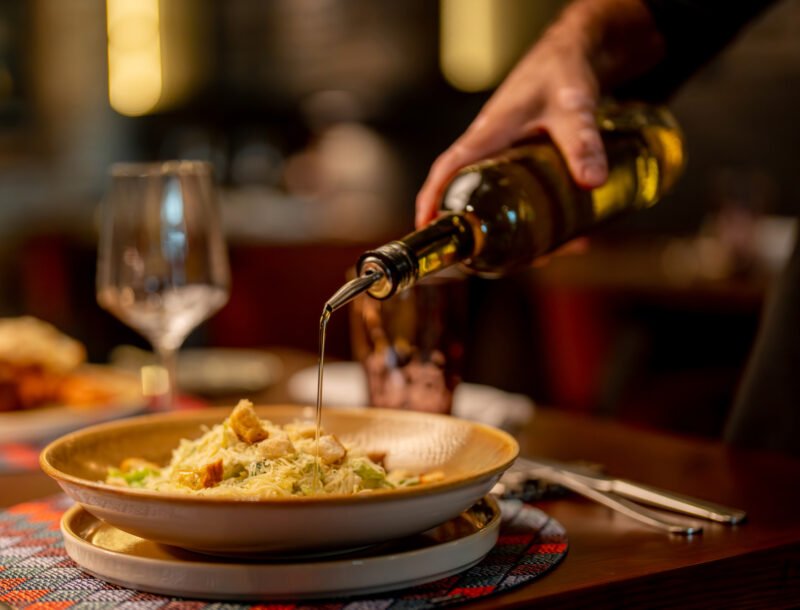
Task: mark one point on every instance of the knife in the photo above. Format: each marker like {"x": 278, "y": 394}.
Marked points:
{"x": 589, "y": 477}
{"x": 621, "y": 505}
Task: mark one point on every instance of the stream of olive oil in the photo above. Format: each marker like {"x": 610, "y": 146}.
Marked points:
{"x": 323, "y": 325}
{"x": 341, "y": 297}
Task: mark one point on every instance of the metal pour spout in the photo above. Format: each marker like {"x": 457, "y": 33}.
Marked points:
{"x": 351, "y": 290}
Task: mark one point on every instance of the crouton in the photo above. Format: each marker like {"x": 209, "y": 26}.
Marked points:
{"x": 211, "y": 474}
{"x": 245, "y": 423}
{"x": 330, "y": 449}
{"x": 377, "y": 457}
{"x": 275, "y": 447}
{"x": 207, "y": 476}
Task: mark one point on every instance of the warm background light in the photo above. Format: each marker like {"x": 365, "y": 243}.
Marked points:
{"x": 481, "y": 39}
{"x": 134, "y": 55}
{"x": 469, "y": 45}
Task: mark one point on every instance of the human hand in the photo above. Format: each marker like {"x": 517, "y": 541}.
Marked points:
{"x": 552, "y": 90}
{"x": 555, "y": 89}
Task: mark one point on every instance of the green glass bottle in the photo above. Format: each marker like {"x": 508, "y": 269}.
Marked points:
{"x": 501, "y": 213}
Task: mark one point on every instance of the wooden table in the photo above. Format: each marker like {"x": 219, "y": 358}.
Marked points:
{"x": 614, "y": 561}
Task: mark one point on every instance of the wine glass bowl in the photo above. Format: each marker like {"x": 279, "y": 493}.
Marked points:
{"x": 162, "y": 263}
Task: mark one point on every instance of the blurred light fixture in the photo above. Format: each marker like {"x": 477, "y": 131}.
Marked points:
{"x": 468, "y": 51}
{"x": 481, "y": 39}
{"x": 134, "y": 55}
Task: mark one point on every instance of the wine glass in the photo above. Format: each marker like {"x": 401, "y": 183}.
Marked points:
{"x": 162, "y": 263}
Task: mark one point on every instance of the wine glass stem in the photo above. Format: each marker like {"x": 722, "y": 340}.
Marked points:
{"x": 169, "y": 360}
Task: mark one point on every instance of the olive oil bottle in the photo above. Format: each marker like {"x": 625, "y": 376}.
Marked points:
{"x": 501, "y": 213}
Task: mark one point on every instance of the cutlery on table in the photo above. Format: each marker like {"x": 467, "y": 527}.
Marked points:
{"x": 617, "y": 494}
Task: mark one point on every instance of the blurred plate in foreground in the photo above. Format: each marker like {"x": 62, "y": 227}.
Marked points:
{"x": 217, "y": 371}
{"x": 213, "y": 371}
{"x": 49, "y": 421}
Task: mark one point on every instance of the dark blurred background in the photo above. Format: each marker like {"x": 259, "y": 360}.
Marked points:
{"x": 321, "y": 118}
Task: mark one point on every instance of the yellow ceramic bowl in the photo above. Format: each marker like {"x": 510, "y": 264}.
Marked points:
{"x": 472, "y": 456}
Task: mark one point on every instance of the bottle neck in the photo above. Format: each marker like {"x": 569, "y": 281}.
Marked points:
{"x": 402, "y": 263}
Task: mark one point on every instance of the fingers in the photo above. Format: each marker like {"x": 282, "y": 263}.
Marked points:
{"x": 476, "y": 143}
{"x": 445, "y": 166}
{"x": 516, "y": 111}
{"x": 570, "y": 121}
{"x": 573, "y": 128}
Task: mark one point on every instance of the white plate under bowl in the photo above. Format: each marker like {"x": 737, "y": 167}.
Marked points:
{"x": 124, "y": 559}
{"x": 471, "y": 456}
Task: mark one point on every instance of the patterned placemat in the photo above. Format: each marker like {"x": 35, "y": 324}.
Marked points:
{"x": 37, "y": 574}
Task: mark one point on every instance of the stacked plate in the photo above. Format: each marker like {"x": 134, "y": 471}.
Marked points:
{"x": 296, "y": 546}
